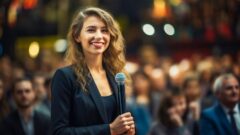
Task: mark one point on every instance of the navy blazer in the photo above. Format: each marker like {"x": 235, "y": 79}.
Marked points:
{"x": 11, "y": 125}
{"x": 75, "y": 112}
{"x": 214, "y": 121}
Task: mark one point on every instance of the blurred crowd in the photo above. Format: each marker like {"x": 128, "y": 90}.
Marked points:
{"x": 162, "y": 88}
{"x": 157, "y": 82}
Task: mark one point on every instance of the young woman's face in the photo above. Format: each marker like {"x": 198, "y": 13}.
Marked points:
{"x": 179, "y": 104}
{"x": 94, "y": 36}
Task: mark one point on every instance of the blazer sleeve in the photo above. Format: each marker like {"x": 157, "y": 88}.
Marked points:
{"x": 62, "y": 88}
{"x": 206, "y": 126}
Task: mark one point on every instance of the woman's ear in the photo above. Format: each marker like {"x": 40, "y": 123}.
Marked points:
{"x": 77, "y": 38}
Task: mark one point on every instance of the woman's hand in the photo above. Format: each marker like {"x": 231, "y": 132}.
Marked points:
{"x": 195, "y": 109}
{"x": 123, "y": 124}
{"x": 131, "y": 131}
{"x": 175, "y": 117}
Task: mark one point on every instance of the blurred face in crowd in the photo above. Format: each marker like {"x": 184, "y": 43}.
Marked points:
{"x": 94, "y": 36}
{"x": 24, "y": 94}
{"x": 192, "y": 90}
{"x": 179, "y": 105}
{"x": 38, "y": 83}
{"x": 229, "y": 93}
{"x": 141, "y": 84}
{"x": 158, "y": 80}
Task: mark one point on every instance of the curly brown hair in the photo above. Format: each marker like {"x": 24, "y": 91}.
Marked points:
{"x": 113, "y": 57}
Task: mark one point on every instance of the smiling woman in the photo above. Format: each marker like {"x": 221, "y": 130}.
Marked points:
{"x": 84, "y": 94}
{"x": 94, "y": 36}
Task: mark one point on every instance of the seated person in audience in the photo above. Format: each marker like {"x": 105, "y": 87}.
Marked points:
{"x": 224, "y": 117}
{"x": 24, "y": 120}
{"x": 191, "y": 89}
{"x": 172, "y": 115}
{"x": 38, "y": 81}
{"x": 141, "y": 105}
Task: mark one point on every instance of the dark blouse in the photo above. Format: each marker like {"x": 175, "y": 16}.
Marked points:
{"x": 110, "y": 106}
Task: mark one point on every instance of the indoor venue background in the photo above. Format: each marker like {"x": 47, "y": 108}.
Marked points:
{"x": 169, "y": 40}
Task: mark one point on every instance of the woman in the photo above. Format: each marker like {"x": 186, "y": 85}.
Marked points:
{"x": 172, "y": 115}
{"x": 84, "y": 93}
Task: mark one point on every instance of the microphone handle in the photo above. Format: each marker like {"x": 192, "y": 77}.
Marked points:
{"x": 121, "y": 94}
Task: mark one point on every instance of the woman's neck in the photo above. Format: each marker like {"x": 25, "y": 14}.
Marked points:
{"x": 94, "y": 63}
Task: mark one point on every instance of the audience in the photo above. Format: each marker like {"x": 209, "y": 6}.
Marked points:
{"x": 150, "y": 81}
{"x": 172, "y": 115}
{"x": 223, "y": 118}
{"x": 25, "y": 120}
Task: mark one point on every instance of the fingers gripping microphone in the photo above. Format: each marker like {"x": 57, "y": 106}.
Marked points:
{"x": 120, "y": 79}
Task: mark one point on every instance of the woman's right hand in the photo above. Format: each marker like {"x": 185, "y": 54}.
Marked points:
{"x": 175, "y": 117}
{"x": 122, "y": 124}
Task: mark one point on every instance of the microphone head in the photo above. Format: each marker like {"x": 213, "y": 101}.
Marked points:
{"x": 120, "y": 77}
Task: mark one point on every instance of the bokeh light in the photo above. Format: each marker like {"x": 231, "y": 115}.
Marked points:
{"x": 60, "y": 45}
{"x": 34, "y": 49}
{"x": 169, "y": 29}
{"x": 148, "y": 29}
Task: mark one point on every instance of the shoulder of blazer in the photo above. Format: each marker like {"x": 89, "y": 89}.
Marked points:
{"x": 210, "y": 113}
{"x": 214, "y": 113}
{"x": 41, "y": 117}
{"x": 12, "y": 118}
{"x": 42, "y": 123}
{"x": 67, "y": 74}
{"x": 12, "y": 123}
{"x": 67, "y": 71}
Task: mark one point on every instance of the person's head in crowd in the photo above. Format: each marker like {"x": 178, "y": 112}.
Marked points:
{"x": 176, "y": 76}
{"x": 6, "y": 72}
{"x": 148, "y": 55}
{"x": 141, "y": 83}
{"x": 18, "y": 72}
{"x": 226, "y": 61}
{"x": 236, "y": 70}
{"x": 173, "y": 108}
{"x": 226, "y": 89}
{"x": 23, "y": 93}
{"x": 38, "y": 81}
{"x": 191, "y": 88}
{"x": 158, "y": 79}
{"x": 205, "y": 69}
{"x": 112, "y": 54}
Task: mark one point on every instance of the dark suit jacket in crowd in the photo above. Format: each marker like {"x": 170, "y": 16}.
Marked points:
{"x": 75, "y": 112}
{"x": 214, "y": 121}
{"x": 11, "y": 125}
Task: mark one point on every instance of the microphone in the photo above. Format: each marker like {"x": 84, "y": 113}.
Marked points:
{"x": 120, "y": 79}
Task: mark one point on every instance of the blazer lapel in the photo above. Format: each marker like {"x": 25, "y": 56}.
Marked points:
{"x": 223, "y": 119}
{"x": 18, "y": 125}
{"x": 93, "y": 90}
{"x": 113, "y": 85}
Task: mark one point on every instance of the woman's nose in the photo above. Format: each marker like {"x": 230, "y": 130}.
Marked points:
{"x": 98, "y": 34}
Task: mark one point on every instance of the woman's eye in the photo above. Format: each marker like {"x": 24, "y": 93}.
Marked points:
{"x": 90, "y": 30}
{"x": 105, "y": 30}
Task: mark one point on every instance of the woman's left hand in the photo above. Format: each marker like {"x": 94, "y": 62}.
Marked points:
{"x": 131, "y": 131}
